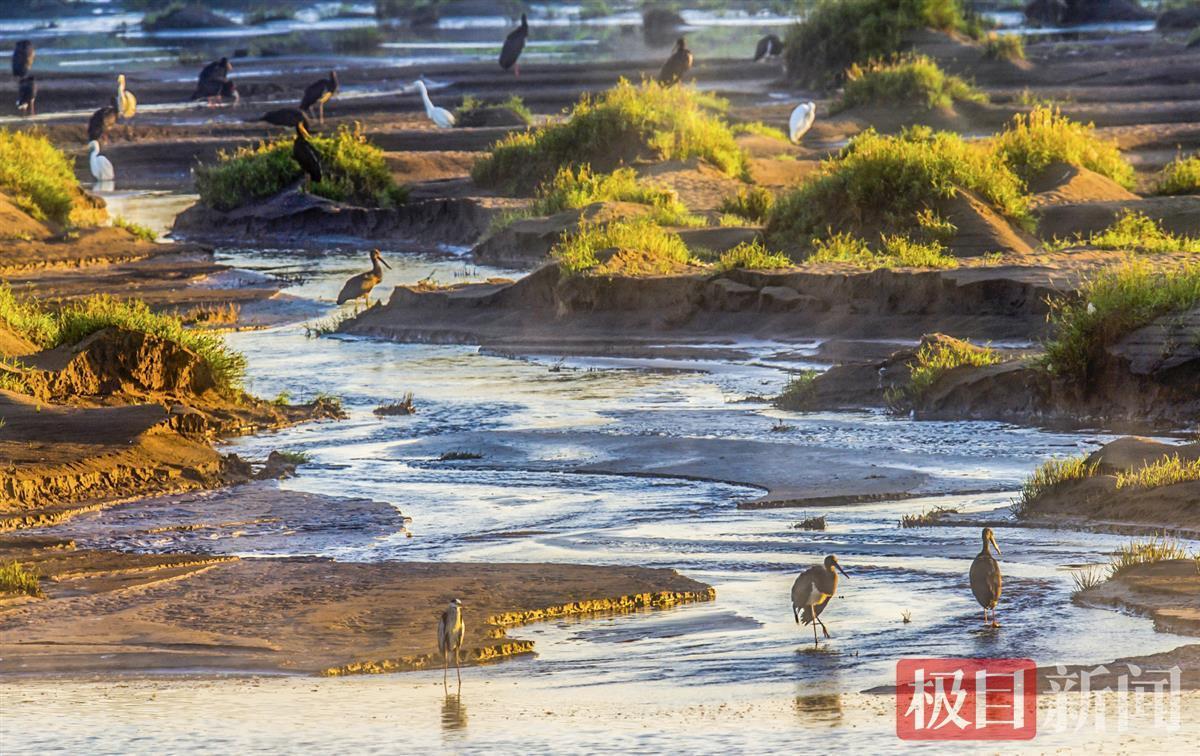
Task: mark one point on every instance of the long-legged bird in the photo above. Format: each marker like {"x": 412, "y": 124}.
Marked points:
{"x": 801, "y": 120}
{"x": 27, "y": 96}
{"x": 441, "y": 117}
{"x": 22, "y": 59}
{"x": 770, "y": 46}
{"x": 100, "y": 122}
{"x": 514, "y": 43}
{"x": 812, "y": 591}
{"x": 360, "y": 286}
{"x": 318, "y": 93}
{"x": 985, "y": 577}
{"x": 677, "y": 65}
{"x": 450, "y": 636}
{"x": 306, "y": 155}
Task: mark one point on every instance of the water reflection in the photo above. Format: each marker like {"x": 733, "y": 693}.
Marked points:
{"x": 454, "y": 712}
{"x": 821, "y": 709}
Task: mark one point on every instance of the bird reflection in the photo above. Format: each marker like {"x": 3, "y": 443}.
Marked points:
{"x": 454, "y": 712}
{"x": 825, "y": 708}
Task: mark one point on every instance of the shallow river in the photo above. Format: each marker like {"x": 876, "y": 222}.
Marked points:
{"x": 736, "y": 672}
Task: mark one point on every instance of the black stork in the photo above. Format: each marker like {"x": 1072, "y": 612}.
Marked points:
{"x": 770, "y": 46}
{"x": 677, "y": 65}
{"x": 318, "y": 93}
{"x": 27, "y": 96}
{"x": 100, "y": 122}
{"x": 514, "y": 43}
{"x": 306, "y": 155}
{"x": 22, "y": 60}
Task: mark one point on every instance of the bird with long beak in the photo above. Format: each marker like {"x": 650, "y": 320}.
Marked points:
{"x": 986, "y": 580}
{"x": 305, "y": 154}
{"x": 811, "y": 593}
{"x": 451, "y": 630}
{"x": 359, "y": 287}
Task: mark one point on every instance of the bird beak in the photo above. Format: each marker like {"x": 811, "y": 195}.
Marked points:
{"x": 385, "y": 263}
{"x": 994, "y": 545}
{"x": 839, "y": 569}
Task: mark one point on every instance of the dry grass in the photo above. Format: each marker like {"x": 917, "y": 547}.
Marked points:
{"x": 810, "y": 523}
{"x": 927, "y": 518}
{"x": 17, "y": 578}
{"x": 1165, "y": 471}
{"x": 1159, "y": 548}
{"x": 1048, "y": 475}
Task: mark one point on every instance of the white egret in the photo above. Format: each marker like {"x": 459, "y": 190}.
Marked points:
{"x": 102, "y": 169}
{"x": 801, "y": 120}
{"x": 441, "y": 117}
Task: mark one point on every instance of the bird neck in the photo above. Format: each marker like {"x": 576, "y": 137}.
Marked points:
{"x": 427, "y": 101}
{"x": 377, "y": 269}
{"x": 985, "y": 551}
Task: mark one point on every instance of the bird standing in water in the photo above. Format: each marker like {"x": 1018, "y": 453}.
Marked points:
{"x": 441, "y": 117}
{"x": 22, "y": 59}
{"x": 985, "y": 577}
{"x": 318, "y": 93}
{"x": 801, "y": 120}
{"x": 306, "y": 155}
{"x": 514, "y": 43}
{"x": 27, "y": 96}
{"x": 770, "y": 46}
{"x": 450, "y": 637}
{"x": 812, "y": 591}
{"x": 360, "y": 286}
{"x": 101, "y": 167}
{"x": 124, "y": 102}
{"x": 677, "y": 65}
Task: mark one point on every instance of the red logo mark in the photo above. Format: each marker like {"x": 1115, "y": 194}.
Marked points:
{"x": 966, "y": 699}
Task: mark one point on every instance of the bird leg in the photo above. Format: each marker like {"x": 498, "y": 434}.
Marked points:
{"x": 321, "y": 112}
{"x": 796, "y": 613}
{"x": 517, "y": 70}
{"x": 814, "y": 624}
{"x": 823, "y": 629}
{"x": 457, "y": 669}
{"x": 994, "y": 622}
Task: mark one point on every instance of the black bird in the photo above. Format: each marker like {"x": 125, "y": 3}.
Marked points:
{"x": 101, "y": 121}
{"x": 514, "y": 43}
{"x": 318, "y": 93}
{"x": 27, "y": 96}
{"x": 284, "y": 117}
{"x": 677, "y": 65}
{"x": 769, "y": 46}
{"x": 22, "y": 58}
{"x": 216, "y": 88}
{"x": 305, "y": 154}
{"x": 218, "y": 70}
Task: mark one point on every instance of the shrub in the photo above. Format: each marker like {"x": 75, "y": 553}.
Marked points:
{"x": 142, "y": 232}
{"x": 79, "y": 319}
{"x": 1180, "y": 176}
{"x": 758, "y": 128}
{"x": 575, "y": 188}
{"x": 927, "y": 518}
{"x": 473, "y": 106}
{"x": 1044, "y": 136}
{"x": 354, "y": 171}
{"x": 1048, "y": 475}
{"x": 936, "y": 358}
{"x": 887, "y": 181}
{"x": 893, "y": 252}
{"x": 754, "y": 256}
{"x": 838, "y": 33}
{"x": 623, "y": 123}
{"x": 797, "y": 391}
{"x": 1135, "y": 231}
{"x": 1159, "y": 548}
{"x": 1112, "y": 303}
{"x": 40, "y": 179}
{"x": 641, "y": 248}
{"x": 1166, "y": 471}
{"x": 1003, "y": 47}
{"x": 17, "y": 578}
{"x": 904, "y": 80}
{"x": 753, "y": 204}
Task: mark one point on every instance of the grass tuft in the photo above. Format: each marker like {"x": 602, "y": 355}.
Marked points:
{"x": 1180, "y": 176}
{"x": 810, "y": 523}
{"x": 354, "y": 171}
{"x": 1165, "y": 471}
{"x": 904, "y": 80}
{"x": 888, "y": 182}
{"x": 142, "y": 232}
{"x": 1136, "y": 232}
{"x": 1048, "y": 475}
{"x": 892, "y": 252}
{"x": 40, "y": 179}
{"x": 926, "y": 519}
{"x": 473, "y": 107}
{"x": 17, "y": 578}
{"x": 753, "y": 204}
{"x": 1111, "y": 304}
{"x": 638, "y": 247}
{"x": 752, "y": 256}
{"x": 1003, "y": 47}
{"x": 575, "y": 188}
{"x": 1158, "y": 548}
{"x": 617, "y": 126}
{"x": 936, "y": 358}
{"x": 758, "y": 128}
{"x": 797, "y": 391}
{"x": 1044, "y": 136}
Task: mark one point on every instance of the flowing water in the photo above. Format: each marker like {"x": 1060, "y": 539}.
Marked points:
{"x": 736, "y": 672}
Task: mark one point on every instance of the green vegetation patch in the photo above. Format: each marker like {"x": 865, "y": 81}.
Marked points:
{"x": 905, "y": 80}
{"x": 1165, "y": 471}
{"x": 926, "y": 519}
{"x": 142, "y": 232}
{"x": 354, "y": 171}
{"x": 750, "y": 203}
{"x": 1109, "y": 305}
{"x": 1158, "y": 548}
{"x": 937, "y": 357}
{"x": 1044, "y": 136}
{"x": 892, "y": 252}
{"x": 636, "y": 247}
{"x": 575, "y": 188}
{"x": 1180, "y": 176}
{"x": 472, "y": 107}
{"x": 1048, "y": 475}
{"x": 889, "y": 183}
{"x": 758, "y": 128}
{"x": 752, "y": 256}
{"x": 622, "y": 124}
{"x": 17, "y": 578}
{"x": 40, "y": 179}
{"x": 797, "y": 391}
{"x": 1003, "y": 47}
{"x": 839, "y": 33}
{"x": 79, "y": 319}
{"x": 1139, "y": 233}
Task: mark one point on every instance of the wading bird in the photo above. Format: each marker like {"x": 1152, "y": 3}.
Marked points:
{"x": 27, "y": 96}
{"x": 769, "y": 46}
{"x": 306, "y": 155}
{"x": 218, "y": 70}
{"x": 22, "y": 59}
{"x": 359, "y": 287}
{"x": 677, "y": 65}
{"x": 450, "y": 634}
{"x": 125, "y": 102}
{"x": 801, "y": 120}
{"x": 514, "y": 43}
{"x": 812, "y": 591}
{"x": 985, "y": 577}
{"x": 318, "y": 93}
{"x": 290, "y": 117}
{"x": 441, "y": 117}
{"x": 102, "y": 169}
{"x": 213, "y": 90}
{"x": 100, "y": 122}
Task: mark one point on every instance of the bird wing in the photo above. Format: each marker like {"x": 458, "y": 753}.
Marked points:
{"x": 760, "y": 52}
{"x": 513, "y": 45}
{"x": 129, "y": 105}
{"x": 446, "y": 118}
{"x": 312, "y": 93}
{"x": 353, "y": 290}
{"x": 986, "y": 580}
{"x": 441, "y": 631}
{"x": 462, "y": 632}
